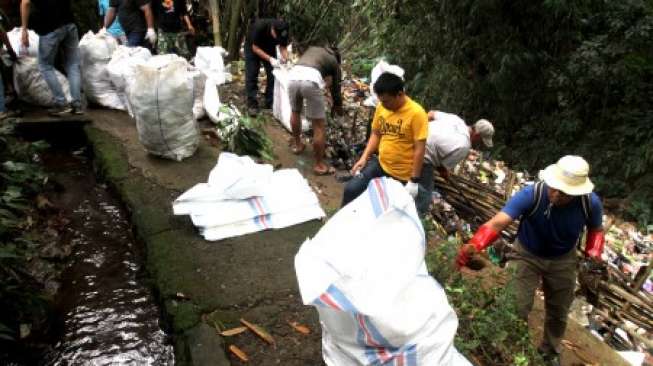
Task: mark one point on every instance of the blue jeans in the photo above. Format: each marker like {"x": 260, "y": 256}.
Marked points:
{"x": 136, "y": 39}
{"x": 65, "y": 37}
{"x": 373, "y": 169}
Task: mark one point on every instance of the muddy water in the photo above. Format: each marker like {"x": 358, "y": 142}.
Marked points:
{"x": 108, "y": 315}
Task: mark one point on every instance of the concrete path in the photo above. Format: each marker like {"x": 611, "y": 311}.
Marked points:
{"x": 201, "y": 284}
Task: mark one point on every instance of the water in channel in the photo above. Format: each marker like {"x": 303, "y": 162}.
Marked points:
{"x": 108, "y": 314}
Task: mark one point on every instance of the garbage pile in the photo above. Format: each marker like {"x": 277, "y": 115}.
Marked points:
{"x": 376, "y": 302}
{"x": 621, "y": 293}
{"x": 242, "y": 197}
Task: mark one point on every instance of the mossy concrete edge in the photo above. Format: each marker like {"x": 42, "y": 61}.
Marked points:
{"x": 154, "y": 225}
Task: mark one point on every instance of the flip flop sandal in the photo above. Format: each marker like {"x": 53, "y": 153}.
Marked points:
{"x": 329, "y": 171}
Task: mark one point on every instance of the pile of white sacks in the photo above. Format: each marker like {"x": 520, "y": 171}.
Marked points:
{"x": 365, "y": 273}
{"x": 243, "y": 197}
{"x": 165, "y": 94}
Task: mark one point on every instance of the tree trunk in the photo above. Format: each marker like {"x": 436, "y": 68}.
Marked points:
{"x": 234, "y": 36}
{"x": 215, "y": 20}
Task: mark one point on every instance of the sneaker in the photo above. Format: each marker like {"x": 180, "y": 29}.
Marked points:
{"x": 77, "y": 110}
{"x": 60, "y": 111}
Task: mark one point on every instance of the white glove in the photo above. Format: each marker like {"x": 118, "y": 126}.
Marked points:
{"x": 412, "y": 188}
{"x": 274, "y": 62}
{"x": 151, "y": 36}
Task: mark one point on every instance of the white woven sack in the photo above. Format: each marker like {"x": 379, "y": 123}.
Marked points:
{"x": 160, "y": 92}
{"x": 31, "y": 86}
{"x": 365, "y": 273}
{"x": 96, "y": 51}
{"x": 121, "y": 68}
{"x": 281, "y": 102}
{"x": 15, "y": 36}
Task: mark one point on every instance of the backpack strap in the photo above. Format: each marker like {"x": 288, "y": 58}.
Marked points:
{"x": 537, "y": 197}
{"x": 586, "y": 202}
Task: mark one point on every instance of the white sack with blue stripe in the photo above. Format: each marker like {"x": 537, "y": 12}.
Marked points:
{"x": 243, "y": 197}
{"x": 364, "y": 271}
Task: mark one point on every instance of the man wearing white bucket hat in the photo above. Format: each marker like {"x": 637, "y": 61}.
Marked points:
{"x": 553, "y": 214}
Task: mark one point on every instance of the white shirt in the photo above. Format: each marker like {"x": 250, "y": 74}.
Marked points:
{"x": 448, "y": 142}
{"x": 306, "y": 73}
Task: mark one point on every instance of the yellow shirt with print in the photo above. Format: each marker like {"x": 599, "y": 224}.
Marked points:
{"x": 399, "y": 131}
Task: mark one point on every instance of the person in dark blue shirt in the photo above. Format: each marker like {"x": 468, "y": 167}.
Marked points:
{"x": 553, "y": 215}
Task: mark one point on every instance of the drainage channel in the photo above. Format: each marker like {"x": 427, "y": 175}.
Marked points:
{"x": 107, "y": 314}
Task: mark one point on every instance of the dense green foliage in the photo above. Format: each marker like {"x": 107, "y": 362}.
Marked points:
{"x": 556, "y": 77}
{"x": 489, "y": 331}
{"x": 21, "y": 178}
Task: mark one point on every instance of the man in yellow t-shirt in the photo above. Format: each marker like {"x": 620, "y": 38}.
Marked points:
{"x": 399, "y": 132}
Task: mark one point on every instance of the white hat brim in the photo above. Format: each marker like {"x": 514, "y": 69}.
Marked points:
{"x": 551, "y": 179}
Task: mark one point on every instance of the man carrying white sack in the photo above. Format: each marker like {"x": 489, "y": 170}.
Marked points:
{"x": 53, "y": 22}
{"x": 376, "y": 301}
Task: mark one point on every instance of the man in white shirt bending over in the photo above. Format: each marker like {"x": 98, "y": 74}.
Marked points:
{"x": 449, "y": 142}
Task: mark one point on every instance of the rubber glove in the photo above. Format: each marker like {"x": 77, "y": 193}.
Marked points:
{"x": 412, "y": 188}
{"x": 274, "y": 62}
{"x": 484, "y": 236}
{"x": 594, "y": 244}
{"x": 150, "y": 35}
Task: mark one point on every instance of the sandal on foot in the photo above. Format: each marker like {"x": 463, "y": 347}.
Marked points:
{"x": 298, "y": 149}
{"x": 329, "y": 171}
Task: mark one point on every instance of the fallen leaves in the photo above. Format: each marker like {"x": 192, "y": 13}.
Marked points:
{"x": 300, "y": 328}
{"x": 259, "y": 331}
{"x": 238, "y": 353}
{"x": 233, "y": 331}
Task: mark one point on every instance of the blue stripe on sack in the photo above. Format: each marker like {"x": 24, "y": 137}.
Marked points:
{"x": 376, "y": 335}
{"x": 411, "y": 355}
{"x": 257, "y": 219}
{"x": 342, "y": 300}
{"x": 374, "y": 198}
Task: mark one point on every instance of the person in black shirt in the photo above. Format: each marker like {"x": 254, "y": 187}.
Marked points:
{"x": 262, "y": 39}
{"x": 170, "y": 15}
{"x": 53, "y": 22}
{"x": 136, "y": 19}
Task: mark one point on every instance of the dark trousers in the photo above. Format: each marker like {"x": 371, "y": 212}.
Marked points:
{"x": 373, "y": 169}
{"x": 252, "y": 67}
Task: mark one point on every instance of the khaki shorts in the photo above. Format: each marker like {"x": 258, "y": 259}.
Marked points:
{"x": 298, "y": 90}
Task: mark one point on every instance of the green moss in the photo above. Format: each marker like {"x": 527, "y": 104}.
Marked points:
{"x": 184, "y": 314}
{"x": 109, "y": 155}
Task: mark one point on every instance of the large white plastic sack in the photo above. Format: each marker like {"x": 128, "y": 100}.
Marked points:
{"x": 15, "y": 36}
{"x": 211, "y": 100}
{"x": 31, "y": 86}
{"x": 210, "y": 61}
{"x": 240, "y": 177}
{"x": 283, "y": 199}
{"x": 121, "y": 68}
{"x": 96, "y": 51}
{"x": 380, "y": 68}
{"x": 281, "y": 103}
{"x": 365, "y": 273}
{"x": 160, "y": 92}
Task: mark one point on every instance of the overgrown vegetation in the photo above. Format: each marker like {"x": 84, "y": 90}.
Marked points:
{"x": 556, "y": 77}
{"x": 21, "y": 179}
{"x": 489, "y": 331}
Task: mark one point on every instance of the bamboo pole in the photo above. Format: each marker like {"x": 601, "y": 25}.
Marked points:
{"x": 215, "y": 20}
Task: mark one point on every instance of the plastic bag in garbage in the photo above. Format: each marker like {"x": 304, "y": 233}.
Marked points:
{"x": 160, "y": 92}
{"x": 31, "y": 87}
{"x": 365, "y": 273}
{"x": 15, "y": 36}
{"x": 96, "y": 51}
{"x": 380, "y": 68}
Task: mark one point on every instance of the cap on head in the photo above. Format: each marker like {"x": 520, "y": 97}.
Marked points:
{"x": 569, "y": 175}
{"x": 485, "y": 129}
